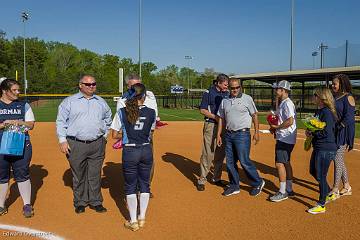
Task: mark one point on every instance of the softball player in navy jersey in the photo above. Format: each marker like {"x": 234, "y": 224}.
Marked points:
{"x": 133, "y": 124}
{"x": 15, "y": 112}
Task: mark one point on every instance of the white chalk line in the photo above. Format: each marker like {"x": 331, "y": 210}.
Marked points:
{"x": 24, "y": 231}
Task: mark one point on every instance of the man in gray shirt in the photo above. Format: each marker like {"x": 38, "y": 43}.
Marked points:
{"x": 82, "y": 125}
{"x": 236, "y": 114}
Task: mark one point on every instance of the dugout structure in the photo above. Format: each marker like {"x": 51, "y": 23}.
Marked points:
{"x": 303, "y": 82}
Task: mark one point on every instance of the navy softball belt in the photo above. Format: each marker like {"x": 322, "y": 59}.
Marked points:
{"x": 240, "y": 130}
{"x": 83, "y": 141}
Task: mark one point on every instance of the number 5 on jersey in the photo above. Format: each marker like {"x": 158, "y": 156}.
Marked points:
{"x": 139, "y": 123}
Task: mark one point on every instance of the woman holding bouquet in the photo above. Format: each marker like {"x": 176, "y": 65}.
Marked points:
{"x": 134, "y": 124}
{"x": 324, "y": 144}
{"x": 345, "y": 133}
{"x": 15, "y": 113}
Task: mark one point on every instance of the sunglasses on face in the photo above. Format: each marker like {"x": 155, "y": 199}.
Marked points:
{"x": 89, "y": 84}
{"x": 234, "y": 88}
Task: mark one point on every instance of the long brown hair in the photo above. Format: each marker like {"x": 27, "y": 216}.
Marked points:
{"x": 132, "y": 108}
{"x": 7, "y": 84}
{"x": 344, "y": 83}
{"x": 327, "y": 98}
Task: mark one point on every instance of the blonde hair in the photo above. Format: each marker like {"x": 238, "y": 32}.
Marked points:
{"x": 325, "y": 95}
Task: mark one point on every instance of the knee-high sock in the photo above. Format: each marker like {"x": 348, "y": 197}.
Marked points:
{"x": 132, "y": 205}
{"x": 144, "y": 201}
{"x": 3, "y": 191}
{"x": 25, "y": 191}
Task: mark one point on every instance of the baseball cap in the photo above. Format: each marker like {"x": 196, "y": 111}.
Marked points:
{"x": 2, "y": 79}
{"x": 282, "y": 84}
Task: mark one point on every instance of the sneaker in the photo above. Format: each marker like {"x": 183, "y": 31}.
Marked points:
{"x": 141, "y": 222}
{"x": 332, "y": 196}
{"x": 219, "y": 183}
{"x": 230, "y": 191}
{"x": 28, "y": 211}
{"x": 3, "y": 211}
{"x": 290, "y": 194}
{"x": 278, "y": 197}
{"x": 317, "y": 209}
{"x": 257, "y": 190}
{"x": 132, "y": 226}
{"x": 346, "y": 191}
{"x": 200, "y": 187}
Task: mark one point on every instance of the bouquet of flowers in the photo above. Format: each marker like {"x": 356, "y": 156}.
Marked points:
{"x": 16, "y": 128}
{"x": 13, "y": 140}
{"x": 312, "y": 124}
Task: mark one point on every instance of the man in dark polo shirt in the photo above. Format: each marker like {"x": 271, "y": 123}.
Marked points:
{"x": 211, "y": 154}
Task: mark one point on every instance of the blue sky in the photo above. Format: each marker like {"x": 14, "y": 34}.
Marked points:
{"x": 232, "y": 36}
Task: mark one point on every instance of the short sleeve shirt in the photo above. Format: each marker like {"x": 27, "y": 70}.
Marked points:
{"x": 237, "y": 112}
{"x": 138, "y": 133}
{"x": 285, "y": 111}
{"x": 211, "y": 101}
{"x": 150, "y": 102}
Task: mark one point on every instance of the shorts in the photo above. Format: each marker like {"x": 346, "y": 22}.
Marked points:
{"x": 18, "y": 164}
{"x": 283, "y": 152}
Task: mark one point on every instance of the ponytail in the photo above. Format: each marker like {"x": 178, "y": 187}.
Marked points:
{"x": 131, "y": 105}
{"x": 132, "y": 110}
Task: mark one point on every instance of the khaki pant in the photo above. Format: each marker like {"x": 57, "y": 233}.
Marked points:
{"x": 211, "y": 154}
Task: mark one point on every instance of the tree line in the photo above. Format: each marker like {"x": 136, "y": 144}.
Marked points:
{"x": 55, "y": 67}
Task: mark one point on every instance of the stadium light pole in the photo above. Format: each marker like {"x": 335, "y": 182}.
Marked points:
{"x": 189, "y": 58}
{"x": 314, "y": 54}
{"x": 322, "y": 49}
{"x": 25, "y": 17}
{"x": 140, "y": 34}
{"x": 292, "y": 34}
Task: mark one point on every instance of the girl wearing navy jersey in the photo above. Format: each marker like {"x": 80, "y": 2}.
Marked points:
{"x": 133, "y": 124}
{"x": 345, "y": 133}
{"x": 15, "y": 112}
{"x": 324, "y": 145}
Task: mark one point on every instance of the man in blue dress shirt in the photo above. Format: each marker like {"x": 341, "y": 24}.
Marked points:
{"x": 82, "y": 126}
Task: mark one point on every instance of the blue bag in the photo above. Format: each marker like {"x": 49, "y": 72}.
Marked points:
{"x": 12, "y": 143}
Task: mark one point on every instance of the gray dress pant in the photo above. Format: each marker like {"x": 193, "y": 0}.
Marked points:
{"x": 86, "y": 160}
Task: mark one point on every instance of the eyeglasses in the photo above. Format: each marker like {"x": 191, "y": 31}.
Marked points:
{"x": 89, "y": 84}
{"x": 234, "y": 88}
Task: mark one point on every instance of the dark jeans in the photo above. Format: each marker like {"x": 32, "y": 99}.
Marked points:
{"x": 319, "y": 167}
{"x": 238, "y": 147}
{"x": 19, "y": 164}
{"x": 137, "y": 162}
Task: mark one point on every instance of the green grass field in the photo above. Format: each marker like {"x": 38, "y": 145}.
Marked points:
{"x": 46, "y": 112}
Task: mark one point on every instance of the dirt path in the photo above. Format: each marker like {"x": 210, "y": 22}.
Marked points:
{"x": 178, "y": 211}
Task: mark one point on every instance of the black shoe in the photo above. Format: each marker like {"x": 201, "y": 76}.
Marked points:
{"x": 79, "y": 209}
{"x": 220, "y": 183}
{"x": 99, "y": 208}
{"x": 291, "y": 194}
{"x": 200, "y": 187}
